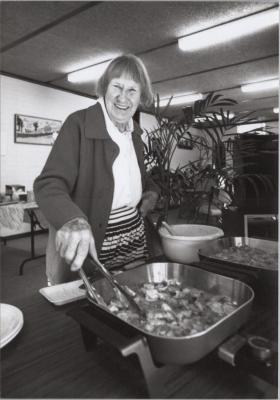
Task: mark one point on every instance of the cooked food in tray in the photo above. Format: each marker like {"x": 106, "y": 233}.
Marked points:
{"x": 242, "y": 252}
{"x": 249, "y": 256}
{"x": 173, "y": 309}
{"x": 167, "y": 290}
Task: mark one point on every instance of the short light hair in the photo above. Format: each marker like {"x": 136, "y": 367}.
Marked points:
{"x": 133, "y": 67}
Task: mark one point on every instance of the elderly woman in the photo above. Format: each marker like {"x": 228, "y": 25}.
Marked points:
{"x": 93, "y": 189}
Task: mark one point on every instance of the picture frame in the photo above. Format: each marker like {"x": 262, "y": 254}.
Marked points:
{"x": 185, "y": 143}
{"x": 35, "y": 130}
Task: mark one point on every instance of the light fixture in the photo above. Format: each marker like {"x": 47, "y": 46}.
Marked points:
{"x": 184, "y": 98}
{"x": 229, "y": 31}
{"x": 250, "y": 127}
{"x": 259, "y": 86}
{"x": 89, "y": 73}
{"x": 276, "y": 110}
{"x": 211, "y": 117}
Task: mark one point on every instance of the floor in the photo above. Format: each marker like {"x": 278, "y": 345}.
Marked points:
{"x": 12, "y": 255}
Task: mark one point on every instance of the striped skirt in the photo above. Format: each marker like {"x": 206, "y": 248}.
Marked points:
{"x": 125, "y": 239}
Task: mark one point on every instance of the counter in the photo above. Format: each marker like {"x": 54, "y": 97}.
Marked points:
{"x": 48, "y": 360}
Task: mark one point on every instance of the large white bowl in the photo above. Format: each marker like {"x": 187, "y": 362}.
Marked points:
{"x": 188, "y": 239}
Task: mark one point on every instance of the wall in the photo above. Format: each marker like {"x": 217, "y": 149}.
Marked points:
{"x": 21, "y": 163}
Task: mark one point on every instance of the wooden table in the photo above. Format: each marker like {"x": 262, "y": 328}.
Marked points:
{"x": 48, "y": 360}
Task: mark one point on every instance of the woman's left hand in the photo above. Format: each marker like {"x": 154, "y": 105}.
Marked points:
{"x": 149, "y": 201}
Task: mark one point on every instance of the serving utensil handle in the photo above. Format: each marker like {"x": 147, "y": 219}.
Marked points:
{"x": 168, "y": 228}
{"x": 91, "y": 289}
{"x": 122, "y": 294}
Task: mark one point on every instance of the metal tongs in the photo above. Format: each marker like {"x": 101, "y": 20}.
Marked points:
{"x": 122, "y": 293}
{"x": 92, "y": 292}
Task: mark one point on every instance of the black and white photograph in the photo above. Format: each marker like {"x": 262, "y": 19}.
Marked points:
{"x": 139, "y": 198}
{"x": 35, "y": 130}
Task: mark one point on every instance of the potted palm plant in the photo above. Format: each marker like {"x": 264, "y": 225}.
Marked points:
{"x": 231, "y": 155}
{"x": 222, "y": 156}
{"x": 160, "y": 147}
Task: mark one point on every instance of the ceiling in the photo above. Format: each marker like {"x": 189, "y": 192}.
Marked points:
{"x": 42, "y": 41}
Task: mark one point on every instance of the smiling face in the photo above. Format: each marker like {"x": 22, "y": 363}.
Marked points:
{"x": 122, "y": 100}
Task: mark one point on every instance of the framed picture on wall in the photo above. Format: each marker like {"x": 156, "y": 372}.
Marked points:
{"x": 185, "y": 142}
{"x": 36, "y": 130}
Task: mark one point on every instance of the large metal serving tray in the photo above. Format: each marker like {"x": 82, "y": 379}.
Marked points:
{"x": 187, "y": 349}
{"x": 209, "y": 251}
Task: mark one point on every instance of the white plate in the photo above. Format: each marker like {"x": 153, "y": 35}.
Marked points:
{"x": 11, "y": 322}
{"x": 64, "y": 293}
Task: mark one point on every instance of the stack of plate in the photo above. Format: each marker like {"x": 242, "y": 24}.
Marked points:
{"x": 11, "y": 322}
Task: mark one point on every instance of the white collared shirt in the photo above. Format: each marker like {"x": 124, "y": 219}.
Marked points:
{"x": 126, "y": 172}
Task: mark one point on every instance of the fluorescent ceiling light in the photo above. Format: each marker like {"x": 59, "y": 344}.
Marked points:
{"x": 229, "y": 31}
{"x": 276, "y": 110}
{"x": 211, "y": 116}
{"x": 258, "y": 86}
{"x": 250, "y": 127}
{"x": 88, "y": 74}
{"x": 186, "y": 98}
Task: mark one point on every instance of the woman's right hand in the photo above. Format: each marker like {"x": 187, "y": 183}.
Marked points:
{"x": 74, "y": 240}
